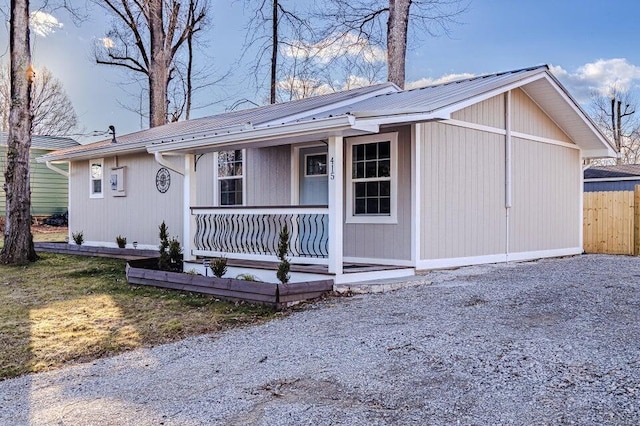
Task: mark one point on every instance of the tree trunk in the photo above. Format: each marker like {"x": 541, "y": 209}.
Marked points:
{"x": 189, "y": 93}
{"x": 18, "y": 241}
{"x": 397, "y": 27}
{"x": 158, "y": 66}
{"x": 619, "y": 132}
{"x": 274, "y": 51}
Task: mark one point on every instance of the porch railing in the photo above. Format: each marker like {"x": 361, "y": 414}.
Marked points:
{"x": 253, "y": 232}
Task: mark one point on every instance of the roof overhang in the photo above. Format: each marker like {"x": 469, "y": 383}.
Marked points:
{"x": 101, "y": 151}
{"x": 560, "y": 106}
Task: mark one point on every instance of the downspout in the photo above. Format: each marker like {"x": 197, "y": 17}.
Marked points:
{"x": 57, "y": 169}
{"x": 163, "y": 162}
{"x": 507, "y": 169}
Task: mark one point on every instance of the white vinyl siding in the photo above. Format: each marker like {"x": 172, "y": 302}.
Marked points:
{"x": 136, "y": 216}
{"x": 386, "y": 241}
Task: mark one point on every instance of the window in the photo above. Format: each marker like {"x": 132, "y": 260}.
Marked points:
{"x": 96, "y": 174}
{"x": 230, "y": 177}
{"x": 315, "y": 165}
{"x": 372, "y": 179}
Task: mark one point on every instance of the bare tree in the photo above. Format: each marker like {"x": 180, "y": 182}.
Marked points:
{"x": 53, "y": 112}
{"x": 274, "y": 25}
{"x": 146, "y": 38}
{"x": 388, "y": 23}
{"x": 615, "y": 115}
{"x": 18, "y": 241}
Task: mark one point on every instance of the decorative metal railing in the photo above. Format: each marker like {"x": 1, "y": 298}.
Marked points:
{"x": 255, "y": 231}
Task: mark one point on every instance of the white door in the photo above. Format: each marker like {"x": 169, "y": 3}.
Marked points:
{"x": 314, "y": 187}
{"x": 314, "y": 191}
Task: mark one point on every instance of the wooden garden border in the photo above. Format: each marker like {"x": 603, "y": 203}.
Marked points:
{"x": 276, "y": 295}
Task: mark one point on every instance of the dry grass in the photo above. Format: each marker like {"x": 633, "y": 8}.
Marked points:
{"x": 65, "y": 309}
{"x": 46, "y": 233}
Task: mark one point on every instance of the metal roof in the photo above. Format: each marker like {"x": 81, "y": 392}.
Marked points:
{"x": 225, "y": 122}
{"x": 48, "y": 143}
{"x": 617, "y": 171}
{"x": 432, "y": 98}
{"x": 366, "y": 109}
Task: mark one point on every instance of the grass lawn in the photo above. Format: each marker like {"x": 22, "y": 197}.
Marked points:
{"x": 64, "y": 309}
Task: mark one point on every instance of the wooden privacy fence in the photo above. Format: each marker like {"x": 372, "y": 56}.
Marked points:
{"x": 612, "y": 222}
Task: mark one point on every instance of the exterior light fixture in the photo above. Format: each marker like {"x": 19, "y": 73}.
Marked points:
{"x": 135, "y": 244}
{"x": 207, "y": 264}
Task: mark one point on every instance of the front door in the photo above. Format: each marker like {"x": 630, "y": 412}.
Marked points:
{"x": 314, "y": 187}
{"x": 314, "y": 191}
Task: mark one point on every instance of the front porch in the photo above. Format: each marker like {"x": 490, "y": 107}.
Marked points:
{"x": 248, "y": 238}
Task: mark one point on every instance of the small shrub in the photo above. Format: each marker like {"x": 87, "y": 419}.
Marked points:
{"x": 283, "y": 249}
{"x": 219, "y": 266}
{"x": 164, "y": 261}
{"x": 175, "y": 255}
{"x": 121, "y": 241}
{"x": 247, "y": 277}
{"x": 78, "y": 237}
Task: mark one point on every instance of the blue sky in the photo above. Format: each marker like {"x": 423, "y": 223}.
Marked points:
{"x": 590, "y": 44}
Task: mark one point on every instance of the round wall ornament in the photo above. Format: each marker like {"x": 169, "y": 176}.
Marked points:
{"x": 163, "y": 180}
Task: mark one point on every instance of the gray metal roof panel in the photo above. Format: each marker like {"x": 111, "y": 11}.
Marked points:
{"x": 48, "y": 143}
{"x": 220, "y": 123}
{"x": 435, "y": 97}
{"x": 617, "y": 171}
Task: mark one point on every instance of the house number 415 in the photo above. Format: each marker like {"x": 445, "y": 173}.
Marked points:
{"x": 332, "y": 175}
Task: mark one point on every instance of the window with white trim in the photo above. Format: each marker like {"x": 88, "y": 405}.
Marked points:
{"x": 372, "y": 179}
{"x": 230, "y": 177}
{"x": 96, "y": 178}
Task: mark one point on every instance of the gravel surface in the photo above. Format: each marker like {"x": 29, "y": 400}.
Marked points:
{"x": 548, "y": 342}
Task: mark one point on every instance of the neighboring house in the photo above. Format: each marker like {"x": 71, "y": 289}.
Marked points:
{"x": 623, "y": 177}
{"x": 442, "y": 176}
{"x": 49, "y": 190}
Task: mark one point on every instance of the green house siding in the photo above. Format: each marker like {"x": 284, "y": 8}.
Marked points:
{"x": 49, "y": 190}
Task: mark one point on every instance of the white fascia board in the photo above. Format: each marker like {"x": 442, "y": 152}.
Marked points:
{"x": 331, "y": 107}
{"x": 340, "y": 123}
{"x": 606, "y": 152}
{"x": 613, "y": 179}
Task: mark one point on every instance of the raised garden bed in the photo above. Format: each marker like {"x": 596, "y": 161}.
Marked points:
{"x": 144, "y": 272}
{"x": 65, "y": 248}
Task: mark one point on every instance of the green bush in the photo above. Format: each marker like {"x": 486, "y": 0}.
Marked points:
{"x": 78, "y": 237}
{"x": 163, "y": 262}
{"x": 219, "y": 266}
{"x": 121, "y": 241}
{"x": 283, "y": 249}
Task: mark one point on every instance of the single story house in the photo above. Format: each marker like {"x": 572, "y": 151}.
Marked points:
{"x": 622, "y": 177}
{"x": 49, "y": 190}
{"x": 373, "y": 182}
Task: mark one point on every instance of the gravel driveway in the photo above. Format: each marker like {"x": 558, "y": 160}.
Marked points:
{"x": 548, "y": 342}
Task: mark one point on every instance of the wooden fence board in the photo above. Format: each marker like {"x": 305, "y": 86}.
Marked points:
{"x": 611, "y": 223}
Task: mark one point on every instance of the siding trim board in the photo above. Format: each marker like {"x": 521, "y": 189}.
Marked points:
{"x": 497, "y": 131}
{"x": 496, "y": 258}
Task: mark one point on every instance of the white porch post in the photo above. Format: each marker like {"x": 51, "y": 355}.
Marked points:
{"x": 336, "y": 204}
{"x": 188, "y": 198}
{"x": 416, "y": 192}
